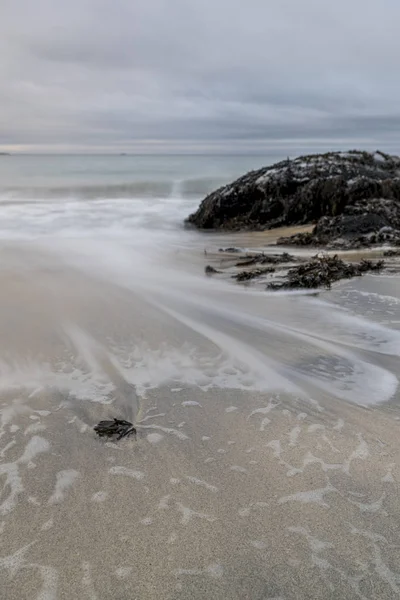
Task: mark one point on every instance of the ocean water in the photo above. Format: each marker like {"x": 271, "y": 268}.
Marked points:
{"x": 85, "y": 195}
{"x": 267, "y": 459}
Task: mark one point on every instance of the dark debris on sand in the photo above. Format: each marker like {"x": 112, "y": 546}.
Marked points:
{"x": 116, "y": 427}
{"x": 230, "y": 250}
{"x": 209, "y": 270}
{"x": 263, "y": 259}
{"x": 322, "y": 271}
{"x": 253, "y": 274}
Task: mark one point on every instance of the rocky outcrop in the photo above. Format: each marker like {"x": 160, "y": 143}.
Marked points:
{"x": 366, "y": 223}
{"x": 351, "y": 196}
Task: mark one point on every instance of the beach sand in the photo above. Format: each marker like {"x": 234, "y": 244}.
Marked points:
{"x": 255, "y": 473}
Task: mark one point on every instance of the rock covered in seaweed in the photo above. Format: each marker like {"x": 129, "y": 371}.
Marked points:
{"x": 357, "y": 192}
{"x": 366, "y": 223}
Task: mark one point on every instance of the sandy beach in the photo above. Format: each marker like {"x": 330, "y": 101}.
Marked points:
{"x": 199, "y": 246}
{"x": 266, "y": 462}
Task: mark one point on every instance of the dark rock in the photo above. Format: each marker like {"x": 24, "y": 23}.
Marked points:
{"x": 357, "y": 194}
{"x": 322, "y": 271}
{"x": 390, "y": 253}
{"x": 329, "y": 233}
{"x": 301, "y": 239}
{"x": 231, "y": 250}
{"x": 116, "y": 427}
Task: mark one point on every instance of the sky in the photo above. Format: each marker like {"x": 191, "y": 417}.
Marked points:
{"x": 173, "y": 76}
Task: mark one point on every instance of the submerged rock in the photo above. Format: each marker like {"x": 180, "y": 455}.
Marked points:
{"x": 356, "y": 193}
{"x": 322, "y": 271}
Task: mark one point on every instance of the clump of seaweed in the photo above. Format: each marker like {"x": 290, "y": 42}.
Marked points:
{"x": 322, "y": 271}
{"x": 248, "y": 275}
{"x": 116, "y": 427}
{"x": 263, "y": 259}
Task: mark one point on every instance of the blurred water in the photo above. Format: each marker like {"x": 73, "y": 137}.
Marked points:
{"x": 118, "y": 220}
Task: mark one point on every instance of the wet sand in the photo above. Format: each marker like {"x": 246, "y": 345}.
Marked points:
{"x": 267, "y": 459}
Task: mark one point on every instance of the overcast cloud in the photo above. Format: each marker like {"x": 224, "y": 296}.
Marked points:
{"x": 198, "y": 75}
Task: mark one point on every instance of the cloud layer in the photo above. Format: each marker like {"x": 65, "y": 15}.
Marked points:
{"x": 173, "y": 75}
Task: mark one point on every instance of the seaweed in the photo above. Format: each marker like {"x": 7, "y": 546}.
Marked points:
{"x": 117, "y": 427}
{"x": 322, "y": 271}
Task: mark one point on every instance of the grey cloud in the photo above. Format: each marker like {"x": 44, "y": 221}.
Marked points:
{"x": 183, "y": 73}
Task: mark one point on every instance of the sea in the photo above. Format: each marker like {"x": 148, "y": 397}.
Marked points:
{"x": 266, "y": 460}
{"x": 109, "y": 195}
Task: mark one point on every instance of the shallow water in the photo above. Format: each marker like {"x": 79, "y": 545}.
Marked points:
{"x": 266, "y": 464}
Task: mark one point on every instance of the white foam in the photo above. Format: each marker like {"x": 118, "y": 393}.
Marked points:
{"x": 87, "y": 582}
{"x": 47, "y": 525}
{"x": 188, "y": 514}
{"x": 293, "y": 436}
{"x": 360, "y": 453}
{"x": 258, "y": 544}
{"x": 13, "y": 483}
{"x": 316, "y": 496}
{"x": 202, "y": 483}
{"x": 154, "y": 438}
{"x": 7, "y": 447}
{"x": 164, "y": 502}
{"x": 127, "y": 472}
{"x": 388, "y": 478}
{"x": 371, "y": 507}
{"x": 238, "y": 469}
{"x": 34, "y": 428}
{"x": 64, "y": 480}
{"x": 36, "y": 445}
{"x": 170, "y": 430}
{"x": 123, "y": 572}
{"x": 214, "y": 570}
{"x": 100, "y": 496}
